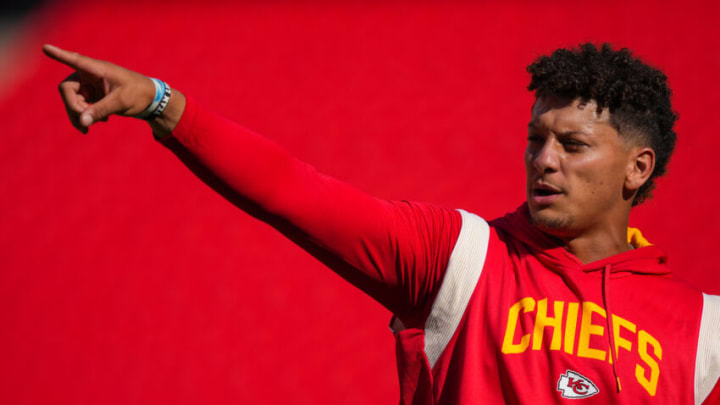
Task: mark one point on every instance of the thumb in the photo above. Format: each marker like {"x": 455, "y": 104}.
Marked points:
{"x": 99, "y": 111}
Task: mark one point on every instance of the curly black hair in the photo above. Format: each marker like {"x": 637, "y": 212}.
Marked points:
{"x": 636, "y": 94}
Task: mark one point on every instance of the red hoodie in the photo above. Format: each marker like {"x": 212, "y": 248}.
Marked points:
{"x": 491, "y": 313}
{"x": 535, "y": 326}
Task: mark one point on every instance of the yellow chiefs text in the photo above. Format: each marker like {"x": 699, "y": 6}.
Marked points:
{"x": 591, "y": 321}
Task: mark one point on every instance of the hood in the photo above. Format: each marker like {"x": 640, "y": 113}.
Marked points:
{"x": 643, "y": 260}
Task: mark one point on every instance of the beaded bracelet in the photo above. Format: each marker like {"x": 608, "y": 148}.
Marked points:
{"x": 159, "y": 103}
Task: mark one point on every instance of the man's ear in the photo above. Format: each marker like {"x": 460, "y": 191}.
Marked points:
{"x": 640, "y": 167}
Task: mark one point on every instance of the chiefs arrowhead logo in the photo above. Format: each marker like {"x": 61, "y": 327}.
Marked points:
{"x": 574, "y": 385}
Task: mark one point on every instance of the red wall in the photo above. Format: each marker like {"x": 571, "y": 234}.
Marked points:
{"x": 125, "y": 280}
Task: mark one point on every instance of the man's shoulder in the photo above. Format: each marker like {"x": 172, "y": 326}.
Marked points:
{"x": 674, "y": 287}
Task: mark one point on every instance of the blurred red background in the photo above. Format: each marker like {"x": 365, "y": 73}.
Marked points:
{"x": 125, "y": 280}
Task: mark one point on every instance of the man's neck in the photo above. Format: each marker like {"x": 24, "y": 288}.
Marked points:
{"x": 598, "y": 244}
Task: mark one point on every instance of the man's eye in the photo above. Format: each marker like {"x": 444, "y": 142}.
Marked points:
{"x": 534, "y": 138}
{"x": 573, "y": 145}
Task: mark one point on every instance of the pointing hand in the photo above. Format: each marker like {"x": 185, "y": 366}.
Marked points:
{"x": 98, "y": 89}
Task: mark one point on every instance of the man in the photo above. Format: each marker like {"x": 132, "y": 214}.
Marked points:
{"x": 558, "y": 300}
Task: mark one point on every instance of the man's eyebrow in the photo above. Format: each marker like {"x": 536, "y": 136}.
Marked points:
{"x": 534, "y": 125}
{"x": 573, "y": 132}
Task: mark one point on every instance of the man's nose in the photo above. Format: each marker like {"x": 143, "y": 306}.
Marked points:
{"x": 546, "y": 158}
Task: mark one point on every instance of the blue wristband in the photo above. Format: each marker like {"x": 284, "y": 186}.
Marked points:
{"x": 159, "y": 103}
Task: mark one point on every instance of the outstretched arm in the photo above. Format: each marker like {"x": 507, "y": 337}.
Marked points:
{"x": 396, "y": 251}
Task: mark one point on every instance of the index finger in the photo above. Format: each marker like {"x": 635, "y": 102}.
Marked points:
{"x": 73, "y": 59}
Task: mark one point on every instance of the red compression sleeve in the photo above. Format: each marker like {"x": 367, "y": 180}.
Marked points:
{"x": 395, "y": 251}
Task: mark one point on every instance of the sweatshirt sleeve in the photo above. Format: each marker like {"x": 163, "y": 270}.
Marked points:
{"x": 395, "y": 251}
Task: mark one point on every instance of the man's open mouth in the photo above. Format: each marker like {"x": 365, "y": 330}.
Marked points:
{"x": 545, "y": 189}
{"x": 544, "y": 192}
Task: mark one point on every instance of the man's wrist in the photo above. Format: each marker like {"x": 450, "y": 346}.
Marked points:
{"x": 159, "y": 102}
{"x": 164, "y": 124}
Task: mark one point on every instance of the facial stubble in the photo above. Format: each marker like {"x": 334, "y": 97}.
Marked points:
{"x": 552, "y": 224}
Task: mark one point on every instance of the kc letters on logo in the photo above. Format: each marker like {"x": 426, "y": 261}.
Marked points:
{"x": 574, "y": 385}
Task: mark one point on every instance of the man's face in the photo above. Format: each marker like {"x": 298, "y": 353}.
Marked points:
{"x": 576, "y": 165}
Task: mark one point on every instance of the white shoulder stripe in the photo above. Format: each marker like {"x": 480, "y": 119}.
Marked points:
{"x": 707, "y": 361}
{"x": 461, "y": 276}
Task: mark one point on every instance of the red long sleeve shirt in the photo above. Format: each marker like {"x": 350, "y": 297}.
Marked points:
{"x": 395, "y": 251}
{"x": 485, "y": 312}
